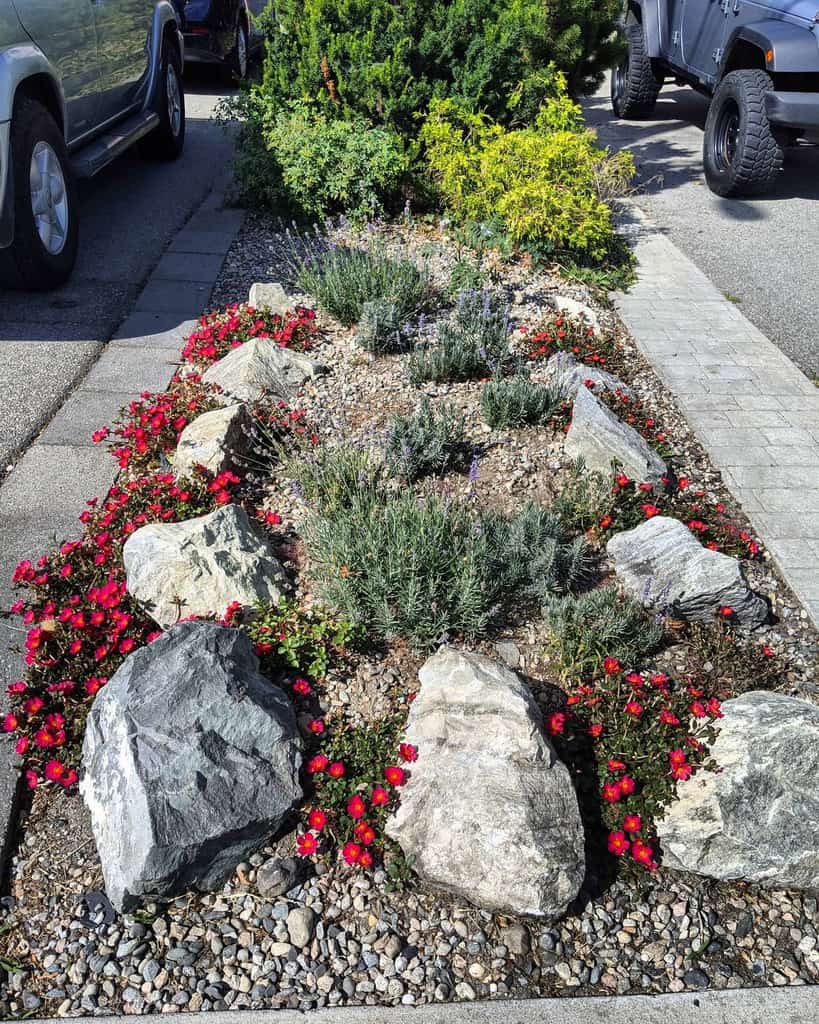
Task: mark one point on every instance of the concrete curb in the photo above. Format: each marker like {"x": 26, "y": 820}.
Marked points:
{"x": 752, "y": 409}
{"x": 42, "y": 497}
{"x": 738, "y": 1006}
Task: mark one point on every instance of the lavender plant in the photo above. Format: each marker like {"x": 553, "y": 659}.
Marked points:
{"x": 428, "y": 441}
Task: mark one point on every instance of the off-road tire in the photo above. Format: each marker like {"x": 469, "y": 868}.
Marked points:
{"x": 749, "y": 165}
{"x": 634, "y": 85}
{"x": 164, "y": 142}
{"x": 27, "y": 263}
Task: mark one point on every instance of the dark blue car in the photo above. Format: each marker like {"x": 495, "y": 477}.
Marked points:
{"x": 221, "y": 32}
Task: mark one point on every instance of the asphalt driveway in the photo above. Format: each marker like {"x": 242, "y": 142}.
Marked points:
{"x": 128, "y": 213}
{"x": 762, "y": 253}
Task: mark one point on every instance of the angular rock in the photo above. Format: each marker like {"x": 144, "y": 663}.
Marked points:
{"x": 565, "y": 371}
{"x": 757, "y": 818}
{"x": 260, "y": 367}
{"x": 215, "y": 440}
{"x": 602, "y": 439}
{"x": 663, "y": 565}
{"x": 200, "y": 566}
{"x": 270, "y": 295}
{"x": 571, "y": 307}
{"x": 190, "y": 762}
{"x": 488, "y": 811}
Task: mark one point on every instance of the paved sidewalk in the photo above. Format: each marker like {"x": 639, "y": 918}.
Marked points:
{"x": 798, "y": 1005}
{"x": 43, "y": 496}
{"x": 755, "y": 412}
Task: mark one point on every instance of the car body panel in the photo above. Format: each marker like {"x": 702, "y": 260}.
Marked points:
{"x": 210, "y": 26}
{"x": 698, "y": 41}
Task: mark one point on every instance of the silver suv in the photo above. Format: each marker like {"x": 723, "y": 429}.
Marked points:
{"x": 80, "y": 81}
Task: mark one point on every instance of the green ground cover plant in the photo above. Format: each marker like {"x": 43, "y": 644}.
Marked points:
{"x": 426, "y": 442}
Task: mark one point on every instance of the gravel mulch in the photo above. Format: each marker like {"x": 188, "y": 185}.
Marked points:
{"x": 342, "y": 937}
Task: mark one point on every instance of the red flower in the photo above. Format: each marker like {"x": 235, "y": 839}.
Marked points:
{"x": 611, "y": 792}
{"x": 10, "y": 722}
{"x": 611, "y": 666}
{"x": 365, "y": 859}
{"x": 632, "y": 823}
{"x": 356, "y": 807}
{"x": 556, "y": 723}
{"x": 351, "y": 852}
{"x": 316, "y": 726}
{"x": 595, "y": 730}
{"x": 394, "y": 775}
{"x": 317, "y": 819}
{"x": 697, "y": 709}
{"x": 336, "y": 770}
{"x": 606, "y": 522}
{"x": 714, "y": 708}
{"x": 54, "y": 771}
{"x": 317, "y": 764}
{"x": 769, "y": 652}
{"x": 634, "y": 708}
{"x": 626, "y": 785}
{"x": 306, "y": 844}
{"x": 616, "y": 766}
{"x": 618, "y": 844}
{"x": 667, "y": 717}
{"x": 379, "y": 796}
{"x": 726, "y": 611}
{"x": 364, "y": 833}
{"x": 635, "y": 678}
{"x": 677, "y": 757}
{"x": 407, "y": 752}
{"x": 649, "y": 511}
{"x": 682, "y": 772}
{"x": 659, "y": 680}
{"x": 643, "y": 854}
{"x": 302, "y": 687}
{"x": 33, "y": 705}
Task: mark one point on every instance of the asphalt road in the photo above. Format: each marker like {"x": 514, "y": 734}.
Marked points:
{"x": 761, "y": 252}
{"x": 128, "y": 213}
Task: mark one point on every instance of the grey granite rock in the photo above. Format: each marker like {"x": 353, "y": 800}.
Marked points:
{"x": 270, "y": 295}
{"x": 603, "y": 440}
{"x": 757, "y": 817}
{"x": 570, "y": 375}
{"x": 190, "y": 762}
{"x": 215, "y": 440}
{"x": 488, "y": 812}
{"x": 260, "y": 367}
{"x": 663, "y": 565}
{"x": 201, "y": 565}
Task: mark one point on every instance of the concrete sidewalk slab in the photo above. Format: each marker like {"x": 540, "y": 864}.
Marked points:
{"x": 738, "y": 1006}
{"x": 753, "y": 410}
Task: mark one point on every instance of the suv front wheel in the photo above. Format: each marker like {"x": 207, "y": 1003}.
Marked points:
{"x": 44, "y": 249}
{"x": 742, "y": 154}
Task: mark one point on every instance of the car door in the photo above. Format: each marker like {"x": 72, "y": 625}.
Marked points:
{"x": 123, "y": 34}
{"x": 64, "y": 30}
{"x": 702, "y": 35}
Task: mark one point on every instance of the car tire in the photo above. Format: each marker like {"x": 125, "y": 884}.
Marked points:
{"x": 634, "y": 84}
{"x": 742, "y": 153}
{"x": 167, "y": 140}
{"x": 46, "y": 230}
{"x": 237, "y": 59}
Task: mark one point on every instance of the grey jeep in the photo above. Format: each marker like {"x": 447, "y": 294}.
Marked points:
{"x": 757, "y": 61}
{"x": 80, "y": 82}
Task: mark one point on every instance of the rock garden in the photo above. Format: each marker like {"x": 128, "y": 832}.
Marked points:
{"x": 419, "y": 658}
{"x": 417, "y": 653}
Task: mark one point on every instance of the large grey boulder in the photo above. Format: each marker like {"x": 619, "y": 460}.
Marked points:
{"x": 190, "y": 763}
{"x": 757, "y": 817}
{"x": 570, "y": 375}
{"x": 260, "y": 367}
{"x": 663, "y": 565}
{"x": 488, "y": 812}
{"x": 215, "y": 440}
{"x": 602, "y": 439}
{"x": 201, "y": 565}
{"x": 572, "y": 308}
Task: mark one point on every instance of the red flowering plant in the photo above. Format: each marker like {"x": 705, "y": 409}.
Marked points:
{"x": 631, "y": 737}
{"x": 356, "y": 776}
{"x": 633, "y": 412}
{"x": 217, "y": 333}
{"x": 82, "y": 623}
{"x": 561, "y": 333}
{"x": 150, "y": 426}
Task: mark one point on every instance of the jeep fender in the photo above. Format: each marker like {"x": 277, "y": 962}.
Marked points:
{"x": 164, "y": 24}
{"x": 647, "y": 13}
{"x": 785, "y": 47}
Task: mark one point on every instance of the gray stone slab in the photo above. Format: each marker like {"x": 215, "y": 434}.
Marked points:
{"x": 221, "y": 220}
{"x": 132, "y": 370}
{"x": 154, "y": 330}
{"x": 794, "y": 1005}
{"x": 204, "y": 242}
{"x": 175, "y": 266}
{"x": 187, "y": 298}
{"x": 9, "y": 793}
{"x": 83, "y": 413}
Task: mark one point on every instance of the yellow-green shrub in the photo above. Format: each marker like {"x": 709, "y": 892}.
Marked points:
{"x": 549, "y": 182}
